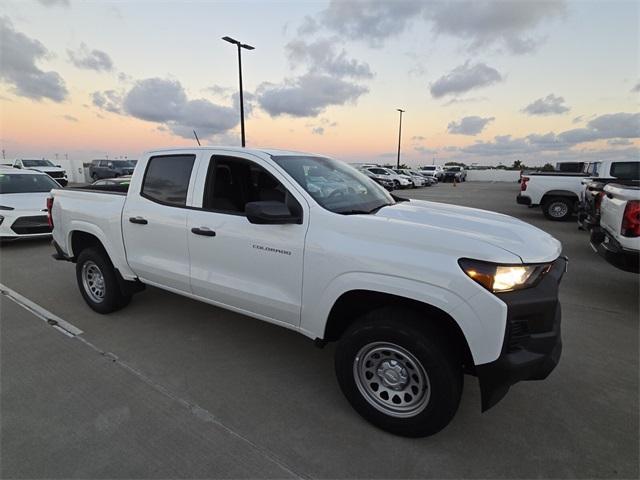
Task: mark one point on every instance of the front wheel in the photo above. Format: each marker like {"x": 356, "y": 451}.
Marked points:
{"x": 97, "y": 281}
{"x": 557, "y": 208}
{"x": 399, "y": 374}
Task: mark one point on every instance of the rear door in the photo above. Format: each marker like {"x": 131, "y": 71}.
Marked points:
{"x": 252, "y": 268}
{"x": 154, "y": 221}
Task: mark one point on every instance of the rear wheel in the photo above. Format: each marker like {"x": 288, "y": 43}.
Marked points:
{"x": 98, "y": 283}
{"x": 399, "y": 374}
{"x": 557, "y": 208}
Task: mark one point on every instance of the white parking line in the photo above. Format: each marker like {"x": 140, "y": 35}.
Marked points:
{"x": 42, "y": 313}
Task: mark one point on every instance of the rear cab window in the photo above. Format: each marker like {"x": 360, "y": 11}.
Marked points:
{"x": 166, "y": 179}
{"x": 626, "y": 170}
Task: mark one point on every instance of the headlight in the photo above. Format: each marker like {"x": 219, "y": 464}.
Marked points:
{"x": 503, "y": 278}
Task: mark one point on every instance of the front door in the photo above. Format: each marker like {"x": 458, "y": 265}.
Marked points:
{"x": 252, "y": 268}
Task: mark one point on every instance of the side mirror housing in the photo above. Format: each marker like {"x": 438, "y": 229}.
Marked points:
{"x": 270, "y": 213}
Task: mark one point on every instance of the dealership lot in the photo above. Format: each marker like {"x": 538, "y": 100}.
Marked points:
{"x": 170, "y": 387}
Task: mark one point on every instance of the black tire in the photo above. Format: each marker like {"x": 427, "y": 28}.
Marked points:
{"x": 396, "y": 184}
{"x": 405, "y": 329}
{"x": 112, "y": 298}
{"x": 558, "y": 209}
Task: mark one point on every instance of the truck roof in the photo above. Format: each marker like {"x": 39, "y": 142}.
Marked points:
{"x": 268, "y": 151}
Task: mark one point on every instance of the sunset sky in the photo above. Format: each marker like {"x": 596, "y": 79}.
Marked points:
{"x": 481, "y": 82}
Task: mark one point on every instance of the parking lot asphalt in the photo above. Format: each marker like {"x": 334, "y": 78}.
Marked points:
{"x": 169, "y": 387}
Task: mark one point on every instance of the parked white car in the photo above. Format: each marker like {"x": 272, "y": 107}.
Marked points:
{"x": 617, "y": 239}
{"x": 23, "y": 203}
{"x": 45, "y": 166}
{"x": 414, "y": 292}
{"x": 401, "y": 181}
{"x": 416, "y": 179}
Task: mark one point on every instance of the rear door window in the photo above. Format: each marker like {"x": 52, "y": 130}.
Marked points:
{"x": 166, "y": 179}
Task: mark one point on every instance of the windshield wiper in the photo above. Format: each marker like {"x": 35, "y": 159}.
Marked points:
{"x": 365, "y": 212}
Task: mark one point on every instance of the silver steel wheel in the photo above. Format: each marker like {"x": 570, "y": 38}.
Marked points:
{"x": 558, "y": 209}
{"x": 391, "y": 379}
{"x": 93, "y": 281}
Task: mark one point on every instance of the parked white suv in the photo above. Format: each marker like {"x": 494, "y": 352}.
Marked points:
{"x": 44, "y": 166}
{"x": 414, "y": 292}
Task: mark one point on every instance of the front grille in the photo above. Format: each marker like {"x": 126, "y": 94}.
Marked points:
{"x": 56, "y": 174}
{"x": 31, "y": 225}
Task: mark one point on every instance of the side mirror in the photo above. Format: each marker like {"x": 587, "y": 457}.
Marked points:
{"x": 58, "y": 166}
{"x": 270, "y": 213}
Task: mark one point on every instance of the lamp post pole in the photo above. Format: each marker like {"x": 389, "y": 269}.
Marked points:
{"x": 240, "y": 47}
{"x": 399, "y": 136}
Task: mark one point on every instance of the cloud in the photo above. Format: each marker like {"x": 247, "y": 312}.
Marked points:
{"x": 620, "y": 142}
{"x": 464, "y": 78}
{"x": 165, "y": 101}
{"x": 455, "y": 101}
{"x": 613, "y": 126}
{"x": 219, "y": 90}
{"x": 70, "y": 118}
{"x": 418, "y": 138}
{"x": 549, "y": 105}
{"x": 318, "y": 131}
{"x": 90, "y": 60}
{"x": 307, "y": 96}
{"x": 472, "y": 125}
{"x": 578, "y": 119}
{"x": 19, "y": 54}
{"x": 53, "y": 3}
{"x": 109, "y": 100}
{"x": 321, "y": 57}
{"x": 508, "y": 25}
{"x": 636, "y": 88}
{"x": 425, "y": 150}
{"x": 370, "y": 20}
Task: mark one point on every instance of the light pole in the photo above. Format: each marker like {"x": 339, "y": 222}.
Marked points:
{"x": 399, "y": 136}
{"x": 240, "y": 47}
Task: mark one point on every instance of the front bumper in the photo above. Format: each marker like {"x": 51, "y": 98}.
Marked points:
{"x": 532, "y": 343}
{"x": 611, "y": 250}
{"x": 23, "y": 224}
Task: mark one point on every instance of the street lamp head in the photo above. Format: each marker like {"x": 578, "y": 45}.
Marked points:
{"x": 400, "y": 110}
{"x": 231, "y": 40}
{"x": 248, "y": 47}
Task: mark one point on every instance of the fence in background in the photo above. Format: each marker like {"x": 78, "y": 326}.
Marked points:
{"x": 493, "y": 175}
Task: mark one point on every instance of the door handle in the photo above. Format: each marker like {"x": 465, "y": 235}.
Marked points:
{"x": 207, "y": 232}
{"x": 138, "y": 220}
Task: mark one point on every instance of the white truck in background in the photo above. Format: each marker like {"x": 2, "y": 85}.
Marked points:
{"x": 415, "y": 293}
{"x": 617, "y": 239}
{"x": 559, "y": 193}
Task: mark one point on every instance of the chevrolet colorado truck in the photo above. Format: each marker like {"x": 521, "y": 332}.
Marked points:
{"x": 415, "y": 293}
{"x": 617, "y": 238}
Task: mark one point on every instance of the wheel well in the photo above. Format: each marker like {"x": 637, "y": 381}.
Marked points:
{"x": 82, "y": 240}
{"x": 559, "y": 193}
{"x": 353, "y": 304}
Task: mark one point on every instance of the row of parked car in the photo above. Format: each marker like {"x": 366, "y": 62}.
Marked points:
{"x": 397, "y": 178}
{"x": 606, "y": 198}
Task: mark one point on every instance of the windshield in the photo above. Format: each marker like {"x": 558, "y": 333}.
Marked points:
{"x": 37, "y": 163}
{"x": 453, "y": 169}
{"x": 428, "y": 168}
{"x": 334, "y": 185}
{"x": 23, "y": 183}
{"x": 124, "y": 163}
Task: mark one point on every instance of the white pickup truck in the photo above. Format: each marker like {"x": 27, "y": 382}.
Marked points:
{"x": 559, "y": 193}
{"x": 617, "y": 239}
{"x": 415, "y": 293}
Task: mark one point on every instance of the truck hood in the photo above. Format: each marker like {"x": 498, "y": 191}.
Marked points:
{"x": 34, "y": 201}
{"x": 47, "y": 169}
{"x": 529, "y": 243}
